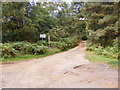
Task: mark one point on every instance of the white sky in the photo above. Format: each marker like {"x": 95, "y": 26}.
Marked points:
{"x": 53, "y": 0}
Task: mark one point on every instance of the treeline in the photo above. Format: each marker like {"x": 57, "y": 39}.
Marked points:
{"x": 102, "y": 25}
{"x": 23, "y": 21}
{"x": 97, "y": 22}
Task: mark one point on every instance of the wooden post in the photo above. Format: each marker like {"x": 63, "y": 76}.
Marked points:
{"x": 49, "y": 41}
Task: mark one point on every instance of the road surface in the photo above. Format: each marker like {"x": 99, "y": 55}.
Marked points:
{"x": 68, "y": 69}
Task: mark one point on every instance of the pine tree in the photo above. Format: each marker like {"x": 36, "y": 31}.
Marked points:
{"x": 102, "y": 20}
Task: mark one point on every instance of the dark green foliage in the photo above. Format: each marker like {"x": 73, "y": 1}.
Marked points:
{"x": 41, "y": 47}
{"x": 65, "y": 43}
{"x": 102, "y": 26}
{"x": 44, "y": 43}
{"x": 38, "y": 49}
{"x": 41, "y": 19}
{"x": 110, "y": 52}
{"x": 21, "y": 48}
{"x": 101, "y": 20}
{"x": 52, "y": 50}
{"x": 57, "y": 33}
{"x": 22, "y": 23}
{"x": 8, "y": 51}
{"x": 16, "y": 25}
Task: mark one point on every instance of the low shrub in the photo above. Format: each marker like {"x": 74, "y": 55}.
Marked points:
{"x": 8, "y": 51}
{"x": 65, "y": 43}
{"x": 110, "y": 51}
{"x": 52, "y": 50}
{"x": 27, "y": 48}
{"x": 20, "y": 48}
{"x": 42, "y": 43}
{"x": 59, "y": 45}
{"x": 18, "y": 45}
{"x": 41, "y": 47}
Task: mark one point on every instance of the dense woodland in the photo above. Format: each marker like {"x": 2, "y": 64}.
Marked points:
{"x": 66, "y": 23}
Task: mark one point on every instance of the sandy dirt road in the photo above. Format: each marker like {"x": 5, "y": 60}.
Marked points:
{"x": 63, "y": 70}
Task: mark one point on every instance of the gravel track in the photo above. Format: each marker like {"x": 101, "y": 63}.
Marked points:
{"x": 68, "y": 69}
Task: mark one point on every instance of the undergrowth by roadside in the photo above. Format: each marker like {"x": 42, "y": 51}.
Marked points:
{"x": 24, "y": 57}
{"x": 29, "y": 56}
{"x": 113, "y": 63}
{"x": 19, "y": 51}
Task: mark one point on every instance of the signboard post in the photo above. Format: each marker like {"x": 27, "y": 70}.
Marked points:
{"x": 49, "y": 41}
{"x": 42, "y": 36}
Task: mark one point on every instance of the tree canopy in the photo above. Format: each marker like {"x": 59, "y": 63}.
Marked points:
{"x": 24, "y": 21}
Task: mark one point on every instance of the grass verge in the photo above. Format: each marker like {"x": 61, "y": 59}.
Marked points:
{"x": 23, "y": 57}
{"x": 113, "y": 63}
{"x": 30, "y": 56}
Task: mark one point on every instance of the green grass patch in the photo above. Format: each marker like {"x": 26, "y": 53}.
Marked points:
{"x": 113, "y": 63}
{"x": 24, "y": 57}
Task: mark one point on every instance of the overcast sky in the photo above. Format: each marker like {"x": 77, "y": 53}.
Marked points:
{"x": 52, "y": 0}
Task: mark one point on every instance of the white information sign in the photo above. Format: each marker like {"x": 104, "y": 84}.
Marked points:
{"x": 42, "y": 35}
